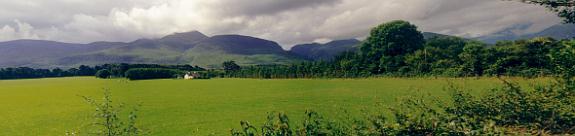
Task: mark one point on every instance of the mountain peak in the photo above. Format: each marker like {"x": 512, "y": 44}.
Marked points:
{"x": 240, "y": 44}
{"x": 192, "y": 35}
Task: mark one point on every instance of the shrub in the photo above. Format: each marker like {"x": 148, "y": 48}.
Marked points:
{"x": 107, "y": 121}
{"x": 104, "y": 73}
{"x": 152, "y": 73}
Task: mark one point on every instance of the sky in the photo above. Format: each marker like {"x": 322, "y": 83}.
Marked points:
{"x": 287, "y": 22}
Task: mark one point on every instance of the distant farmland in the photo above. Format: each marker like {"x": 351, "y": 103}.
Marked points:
{"x": 203, "y": 107}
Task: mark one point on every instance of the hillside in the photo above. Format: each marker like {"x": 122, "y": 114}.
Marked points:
{"x": 35, "y": 53}
{"x": 242, "y": 49}
{"x": 180, "y": 48}
{"x": 560, "y": 31}
{"x": 316, "y": 51}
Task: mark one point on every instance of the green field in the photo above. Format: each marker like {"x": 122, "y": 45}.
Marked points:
{"x": 203, "y": 107}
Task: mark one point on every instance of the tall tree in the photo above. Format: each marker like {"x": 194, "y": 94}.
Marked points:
{"x": 231, "y": 66}
{"x": 388, "y": 43}
{"x": 473, "y": 59}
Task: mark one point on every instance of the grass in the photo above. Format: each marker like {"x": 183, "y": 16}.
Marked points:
{"x": 204, "y": 107}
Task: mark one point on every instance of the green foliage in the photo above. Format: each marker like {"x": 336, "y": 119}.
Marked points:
{"x": 231, "y": 66}
{"x": 278, "y": 124}
{"x": 473, "y": 61}
{"x": 119, "y": 70}
{"x": 398, "y": 49}
{"x": 563, "y": 59}
{"x": 104, "y": 73}
{"x": 247, "y": 130}
{"x": 108, "y": 121}
{"x": 388, "y": 42}
{"x": 152, "y": 73}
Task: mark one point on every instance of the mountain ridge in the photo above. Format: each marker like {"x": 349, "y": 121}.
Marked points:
{"x": 176, "y": 48}
{"x": 559, "y": 31}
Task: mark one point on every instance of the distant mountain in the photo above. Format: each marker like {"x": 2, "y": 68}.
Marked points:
{"x": 243, "y": 49}
{"x": 192, "y": 48}
{"x": 563, "y": 31}
{"x": 35, "y": 53}
{"x": 316, "y": 51}
{"x": 560, "y": 31}
{"x": 183, "y": 41}
{"x": 180, "y": 48}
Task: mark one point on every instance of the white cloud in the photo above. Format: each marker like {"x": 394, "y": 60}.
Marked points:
{"x": 19, "y": 30}
{"x": 287, "y": 21}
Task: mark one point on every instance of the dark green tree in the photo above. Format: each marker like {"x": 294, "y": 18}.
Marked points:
{"x": 387, "y": 44}
{"x": 104, "y": 73}
{"x": 231, "y": 66}
{"x": 473, "y": 60}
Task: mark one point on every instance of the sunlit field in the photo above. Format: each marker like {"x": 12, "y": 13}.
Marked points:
{"x": 204, "y": 107}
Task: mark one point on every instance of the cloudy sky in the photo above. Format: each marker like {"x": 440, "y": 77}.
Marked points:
{"x": 285, "y": 21}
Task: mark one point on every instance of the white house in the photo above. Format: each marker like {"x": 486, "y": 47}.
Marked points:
{"x": 192, "y": 75}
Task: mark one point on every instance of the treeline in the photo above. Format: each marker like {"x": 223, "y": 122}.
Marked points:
{"x": 26, "y": 72}
{"x": 153, "y": 73}
{"x": 399, "y": 49}
{"x": 120, "y": 70}
{"x": 111, "y": 70}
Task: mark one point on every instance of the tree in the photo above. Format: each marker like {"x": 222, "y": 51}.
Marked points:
{"x": 473, "y": 60}
{"x": 231, "y": 66}
{"x": 107, "y": 118}
{"x": 84, "y": 70}
{"x": 388, "y": 43}
{"x": 104, "y": 73}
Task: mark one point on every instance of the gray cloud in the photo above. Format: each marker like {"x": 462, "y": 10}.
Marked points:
{"x": 266, "y": 7}
{"x": 287, "y": 21}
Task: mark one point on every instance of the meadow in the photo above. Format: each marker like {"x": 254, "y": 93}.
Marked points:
{"x": 209, "y": 107}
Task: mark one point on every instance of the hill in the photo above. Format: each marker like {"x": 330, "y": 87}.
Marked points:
{"x": 180, "y": 48}
{"x": 560, "y": 31}
{"x": 316, "y": 51}
{"x": 242, "y": 49}
{"x": 34, "y": 53}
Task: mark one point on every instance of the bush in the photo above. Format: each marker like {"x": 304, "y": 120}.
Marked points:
{"x": 108, "y": 121}
{"x": 511, "y": 110}
{"x": 104, "y": 73}
{"x": 152, "y": 73}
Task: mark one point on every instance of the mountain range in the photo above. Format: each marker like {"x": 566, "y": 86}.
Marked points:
{"x": 195, "y": 48}
{"x": 192, "y": 48}
{"x": 559, "y": 31}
